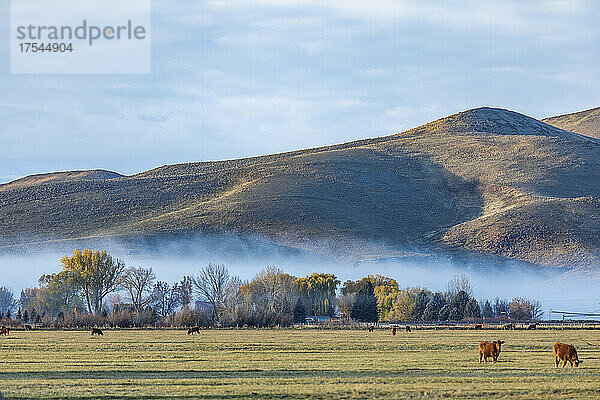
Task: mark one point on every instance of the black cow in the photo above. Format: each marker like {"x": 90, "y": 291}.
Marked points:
{"x": 97, "y": 331}
{"x": 194, "y": 329}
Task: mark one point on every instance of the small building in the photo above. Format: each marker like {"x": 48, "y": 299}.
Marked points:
{"x": 314, "y": 319}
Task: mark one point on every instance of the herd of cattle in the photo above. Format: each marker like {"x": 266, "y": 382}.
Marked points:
{"x": 562, "y": 352}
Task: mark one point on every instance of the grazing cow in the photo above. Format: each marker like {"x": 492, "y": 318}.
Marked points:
{"x": 28, "y": 328}
{"x": 407, "y": 328}
{"x": 509, "y": 327}
{"x": 4, "y": 330}
{"x": 97, "y": 331}
{"x": 531, "y": 327}
{"x": 489, "y": 349}
{"x": 564, "y": 353}
{"x": 371, "y": 328}
{"x": 194, "y": 329}
{"x": 393, "y": 331}
{"x": 478, "y": 327}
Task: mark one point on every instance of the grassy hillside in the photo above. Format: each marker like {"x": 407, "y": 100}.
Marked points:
{"x": 583, "y": 122}
{"x": 485, "y": 181}
{"x": 59, "y": 177}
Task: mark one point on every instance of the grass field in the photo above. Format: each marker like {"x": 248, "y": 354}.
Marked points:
{"x": 293, "y": 364}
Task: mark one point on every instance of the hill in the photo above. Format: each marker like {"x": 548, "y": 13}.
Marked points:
{"x": 583, "y": 122}
{"x": 485, "y": 182}
{"x": 57, "y": 177}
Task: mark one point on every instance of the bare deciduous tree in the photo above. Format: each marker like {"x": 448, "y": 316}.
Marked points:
{"x": 212, "y": 283}
{"x": 7, "y": 301}
{"x": 237, "y": 308}
{"x": 138, "y": 283}
{"x": 274, "y": 293}
{"x": 458, "y": 283}
{"x": 185, "y": 291}
{"x": 165, "y": 298}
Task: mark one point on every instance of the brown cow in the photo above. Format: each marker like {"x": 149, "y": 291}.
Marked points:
{"x": 509, "y": 327}
{"x": 194, "y": 329}
{"x": 394, "y": 331}
{"x": 489, "y": 349}
{"x": 478, "y": 327}
{"x": 4, "y": 330}
{"x": 28, "y": 328}
{"x": 407, "y": 328}
{"x": 564, "y": 353}
{"x": 97, "y": 331}
{"x": 371, "y": 328}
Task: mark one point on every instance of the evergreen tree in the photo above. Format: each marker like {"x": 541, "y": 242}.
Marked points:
{"x": 25, "y": 316}
{"x": 299, "y": 312}
{"x": 421, "y": 302}
{"x": 455, "y": 314}
{"x": 460, "y": 301}
{"x": 488, "y": 311}
{"x": 364, "y": 307}
{"x": 19, "y": 316}
{"x": 444, "y": 312}
{"x": 472, "y": 309}
{"x": 431, "y": 312}
{"x": 433, "y": 307}
{"x": 500, "y": 308}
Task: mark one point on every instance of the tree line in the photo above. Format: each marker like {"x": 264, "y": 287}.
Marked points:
{"x": 93, "y": 288}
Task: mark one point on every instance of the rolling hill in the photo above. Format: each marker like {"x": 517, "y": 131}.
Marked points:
{"x": 484, "y": 182}
{"x": 583, "y": 122}
{"x": 57, "y": 177}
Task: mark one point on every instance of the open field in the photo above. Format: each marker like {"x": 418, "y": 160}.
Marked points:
{"x": 293, "y": 364}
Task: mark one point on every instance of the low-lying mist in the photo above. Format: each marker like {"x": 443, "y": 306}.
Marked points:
{"x": 558, "y": 289}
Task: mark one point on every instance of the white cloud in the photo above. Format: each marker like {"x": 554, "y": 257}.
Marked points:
{"x": 583, "y": 79}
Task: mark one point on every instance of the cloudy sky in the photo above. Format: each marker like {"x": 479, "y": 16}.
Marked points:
{"x": 240, "y": 78}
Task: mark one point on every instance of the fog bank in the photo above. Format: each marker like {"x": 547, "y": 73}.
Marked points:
{"x": 172, "y": 259}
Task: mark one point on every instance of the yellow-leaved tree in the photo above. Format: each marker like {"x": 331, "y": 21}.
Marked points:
{"x": 402, "y": 306}
{"x": 318, "y": 293}
{"x": 385, "y": 295}
{"x": 96, "y": 273}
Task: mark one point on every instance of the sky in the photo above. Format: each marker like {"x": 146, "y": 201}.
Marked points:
{"x": 248, "y": 77}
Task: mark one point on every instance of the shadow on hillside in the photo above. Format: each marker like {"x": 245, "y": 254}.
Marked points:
{"x": 378, "y": 195}
{"x": 381, "y": 195}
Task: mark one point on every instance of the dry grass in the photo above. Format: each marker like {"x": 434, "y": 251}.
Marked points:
{"x": 318, "y": 364}
{"x": 584, "y": 122}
